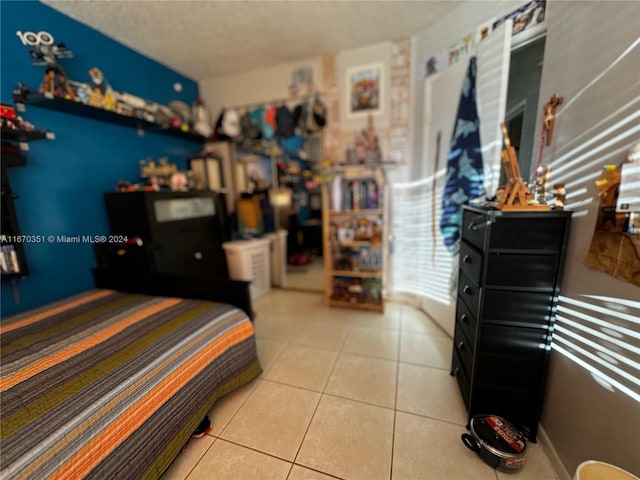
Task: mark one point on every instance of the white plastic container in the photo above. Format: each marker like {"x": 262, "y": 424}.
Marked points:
{"x": 250, "y": 260}
{"x": 594, "y": 470}
{"x": 278, "y": 257}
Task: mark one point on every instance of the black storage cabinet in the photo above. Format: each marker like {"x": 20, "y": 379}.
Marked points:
{"x": 181, "y": 232}
{"x": 510, "y": 271}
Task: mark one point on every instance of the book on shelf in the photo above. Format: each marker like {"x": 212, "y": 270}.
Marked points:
{"x": 360, "y": 194}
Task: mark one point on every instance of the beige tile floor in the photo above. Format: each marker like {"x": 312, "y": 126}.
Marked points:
{"x": 309, "y": 277}
{"x": 344, "y": 394}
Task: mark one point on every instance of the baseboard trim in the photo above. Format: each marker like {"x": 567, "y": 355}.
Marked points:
{"x": 406, "y": 298}
{"x": 552, "y": 455}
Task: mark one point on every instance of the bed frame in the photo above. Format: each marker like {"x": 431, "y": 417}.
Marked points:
{"x": 233, "y": 292}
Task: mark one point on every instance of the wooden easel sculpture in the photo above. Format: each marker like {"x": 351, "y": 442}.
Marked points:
{"x": 516, "y": 195}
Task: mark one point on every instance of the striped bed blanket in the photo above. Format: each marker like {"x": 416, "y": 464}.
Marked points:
{"x": 110, "y": 385}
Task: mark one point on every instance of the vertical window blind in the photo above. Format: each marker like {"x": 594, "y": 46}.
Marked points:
{"x": 421, "y": 265}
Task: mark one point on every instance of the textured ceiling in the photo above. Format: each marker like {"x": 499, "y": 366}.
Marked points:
{"x": 204, "y": 39}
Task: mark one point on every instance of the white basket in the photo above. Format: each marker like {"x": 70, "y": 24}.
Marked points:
{"x": 250, "y": 260}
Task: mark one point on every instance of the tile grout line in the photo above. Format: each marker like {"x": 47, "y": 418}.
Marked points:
{"x": 395, "y": 400}
{"x": 195, "y": 465}
{"x": 335, "y": 362}
{"x": 341, "y": 397}
{"x": 355, "y": 353}
{"x": 253, "y": 449}
{"x": 235, "y": 413}
{"x": 282, "y": 459}
{"x": 330, "y": 475}
{"x": 286, "y": 344}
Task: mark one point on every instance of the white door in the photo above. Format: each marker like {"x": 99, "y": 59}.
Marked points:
{"x": 422, "y": 265}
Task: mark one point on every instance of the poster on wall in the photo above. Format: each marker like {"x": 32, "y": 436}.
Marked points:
{"x": 484, "y": 30}
{"x": 301, "y": 82}
{"x": 436, "y": 63}
{"x": 255, "y": 172}
{"x": 527, "y": 17}
{"x": 364, "y": 90}
{"x": 458, "y": 50}
{"x": 448, "y": 57}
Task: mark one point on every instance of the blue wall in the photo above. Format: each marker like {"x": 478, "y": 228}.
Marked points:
{"x": 60, "y": 189}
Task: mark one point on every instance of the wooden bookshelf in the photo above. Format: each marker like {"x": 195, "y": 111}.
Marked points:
{"x": 355, "y": 231}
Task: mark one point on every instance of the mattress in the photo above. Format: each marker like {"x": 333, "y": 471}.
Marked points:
{"x": 110, "y": 385}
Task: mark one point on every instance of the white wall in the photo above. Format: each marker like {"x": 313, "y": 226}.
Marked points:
{"x": 255, "y": 86}
{"x": 583, "y": 419}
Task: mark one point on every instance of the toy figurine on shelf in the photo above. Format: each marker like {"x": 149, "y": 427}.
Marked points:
{"x": 99, "y": 82}
{"x": 100, "y": 93}
{"x": 164, "y": 169}
{"x": 49, "y": 54}
{"x": 366, "y": 148}
{"x": 55, "y": 83}
{"x": 95, "y": 98}
{"x": 55, "y": 79}
{"x": 354, "y": 291}
{"x": 560, "y": 194}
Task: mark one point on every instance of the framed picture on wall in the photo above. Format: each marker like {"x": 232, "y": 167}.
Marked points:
{"x": 365, "y": 90}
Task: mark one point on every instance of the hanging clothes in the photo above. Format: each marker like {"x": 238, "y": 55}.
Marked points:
{"x": 465, "y": 178}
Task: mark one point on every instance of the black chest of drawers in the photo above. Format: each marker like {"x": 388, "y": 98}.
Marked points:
{"x": 510, "y": 272}
{"x": 181, "y": 232}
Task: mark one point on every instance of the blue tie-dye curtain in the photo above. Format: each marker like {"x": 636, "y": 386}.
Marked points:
{"x": 465, "y": 179}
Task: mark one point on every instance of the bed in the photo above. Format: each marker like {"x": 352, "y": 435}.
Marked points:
{"x": 111, "y": 384}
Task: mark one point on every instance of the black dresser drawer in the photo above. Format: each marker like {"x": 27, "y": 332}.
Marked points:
{"x": 469, "y": 292}
{"x": 464, "y": 349}
{"x": 508, "y": 372}
{"x": 525, "y": 309}
{"x": 530, "y": 343}
{"x": 466, "y": 320}
{"x": 124, "y": 257}
{"x": 194, "y": 261}
{"x": 474, "y": 227}
{"x": 457, "y": 370}
{"x": 527, "y": 231}
{"x": 540, "y": 232}
{"x": 471, "y": 261}
{"x": 523, "y": 271}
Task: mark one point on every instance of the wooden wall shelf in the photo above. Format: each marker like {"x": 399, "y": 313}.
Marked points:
{"x": 11, "y": 135}
{"x": 356, "y": 273}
